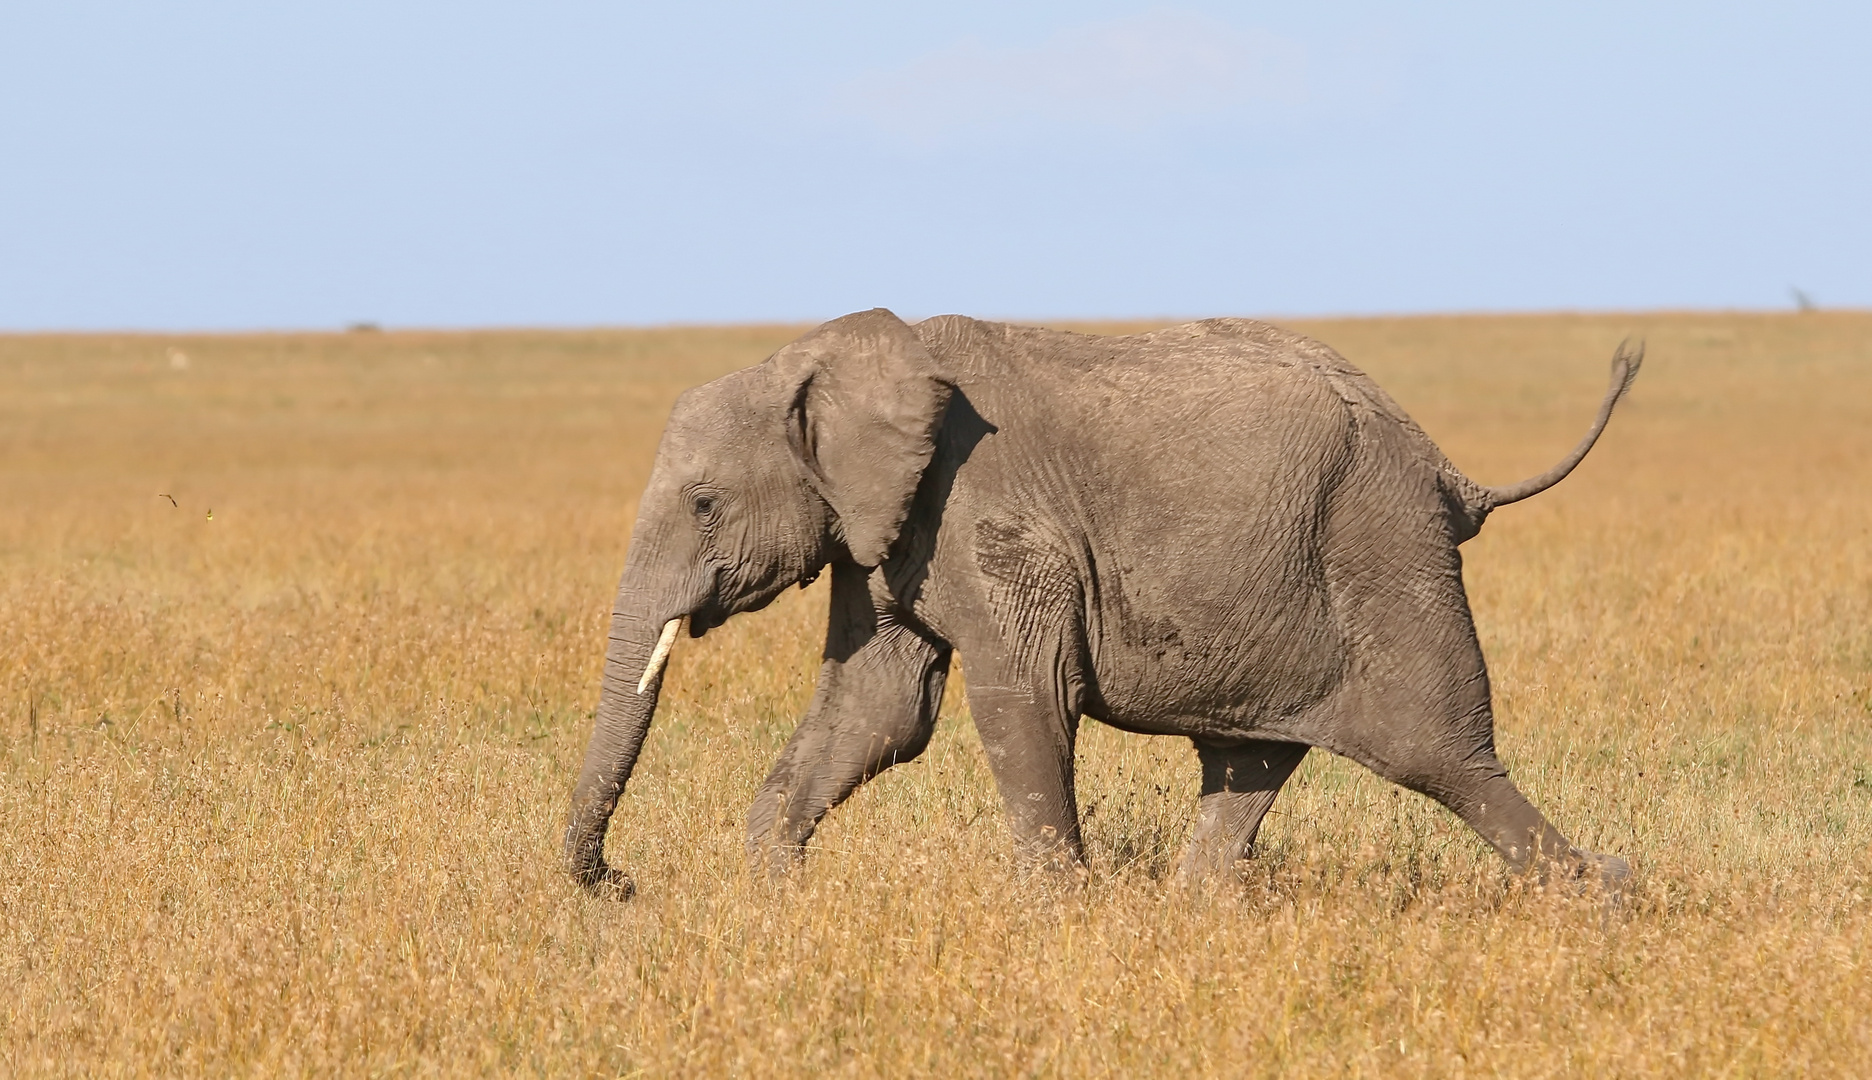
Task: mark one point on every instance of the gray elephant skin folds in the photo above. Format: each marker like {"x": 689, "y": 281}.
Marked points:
{"x": 1220, "y": 530}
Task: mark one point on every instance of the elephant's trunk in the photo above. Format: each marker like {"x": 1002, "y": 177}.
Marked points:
{"x": 627, "y": 700}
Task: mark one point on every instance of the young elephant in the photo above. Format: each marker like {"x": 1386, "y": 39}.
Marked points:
{"x": 1220, "y": 530}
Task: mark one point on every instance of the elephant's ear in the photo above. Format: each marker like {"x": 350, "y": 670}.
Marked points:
{"x": 868, "y": 398}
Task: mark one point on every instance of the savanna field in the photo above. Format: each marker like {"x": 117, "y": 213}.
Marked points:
{"x": 284, "y": 764}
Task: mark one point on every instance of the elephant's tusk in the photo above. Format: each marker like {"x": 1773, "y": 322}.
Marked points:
{"x": 660, "y": 655}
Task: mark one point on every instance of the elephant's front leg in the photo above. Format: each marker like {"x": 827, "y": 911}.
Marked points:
{"x": 875, "y": 706}
{"x": 1239, "y": 784}
{"x": 1029, "y": 740}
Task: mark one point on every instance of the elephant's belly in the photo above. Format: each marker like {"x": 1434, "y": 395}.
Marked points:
{"x": 1231, "y": 670}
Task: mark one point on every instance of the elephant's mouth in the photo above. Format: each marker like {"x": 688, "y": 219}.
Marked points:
{"x": 714, "y": 611}
{"x": 716, "y": 608}
{"x": 708, "y": 612}
{"x": 706, "y": 618}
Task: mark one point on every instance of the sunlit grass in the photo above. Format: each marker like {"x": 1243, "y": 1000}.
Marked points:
{"x": 281, "y": 790}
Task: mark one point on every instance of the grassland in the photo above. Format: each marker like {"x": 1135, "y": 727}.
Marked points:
{"x": 281, "y": 786}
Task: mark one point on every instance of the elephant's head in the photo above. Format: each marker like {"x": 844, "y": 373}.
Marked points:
{"x": 762, "y": 478}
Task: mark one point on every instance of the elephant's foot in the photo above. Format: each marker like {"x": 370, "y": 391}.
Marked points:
{"x": 1200, "y": 867}
{"x": 605, "y": 882}
{"x": 1057, "y": 877}
{"x": 1221, "y": 842}
{"x": 1208, "y": 857}
{"x": 1060, "y": 864}
{"x": 778, "y": 830}
{"x": 774, "y": 860}
{"x": 1046, "y": 857}
{"x": 1614, "y": 873}
{"x": 1586, "y": 872}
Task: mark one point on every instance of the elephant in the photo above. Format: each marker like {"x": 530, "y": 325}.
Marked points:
{"x": 1220, "y": 530}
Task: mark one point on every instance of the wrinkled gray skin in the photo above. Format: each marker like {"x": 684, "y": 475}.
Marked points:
{"x": 1220, "y": 530}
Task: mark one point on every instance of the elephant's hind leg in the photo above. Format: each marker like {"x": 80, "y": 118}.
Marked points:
{"x": 1415, "y": 707}
{"x": 875, "y": 706}
{"x": 1478, "y": 791}
{"x": 1440, "y": 741}
{"x": 1239, "y": 784}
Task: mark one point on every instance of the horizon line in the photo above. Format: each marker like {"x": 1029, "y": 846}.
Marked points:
{"x": 365, "y": 327}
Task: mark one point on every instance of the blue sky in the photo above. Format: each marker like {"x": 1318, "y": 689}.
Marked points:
{"x": 250, "y": 165}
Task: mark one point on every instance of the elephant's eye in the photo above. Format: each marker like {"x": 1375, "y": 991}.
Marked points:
{"x": 704, "y": 505}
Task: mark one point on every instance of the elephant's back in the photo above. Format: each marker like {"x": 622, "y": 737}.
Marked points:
{"x": 1233, "y": 389}
{"x": 1167, "y": 378}
{"x": 1188, "y": 368}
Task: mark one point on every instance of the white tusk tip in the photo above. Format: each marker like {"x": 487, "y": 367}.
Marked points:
{"x": 660, "y": 655}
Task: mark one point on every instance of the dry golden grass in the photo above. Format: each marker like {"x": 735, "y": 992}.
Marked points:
{"x": 281, "y": 790}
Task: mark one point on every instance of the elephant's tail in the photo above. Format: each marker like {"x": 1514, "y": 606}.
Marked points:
{"x": 1625, "y": 364}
